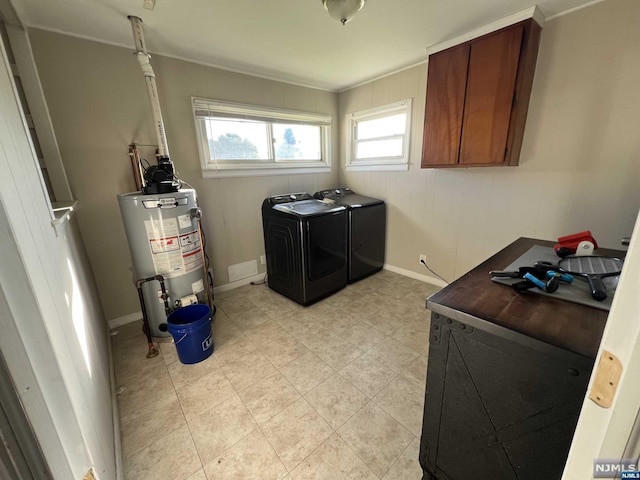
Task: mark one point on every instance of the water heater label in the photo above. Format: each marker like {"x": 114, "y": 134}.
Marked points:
{"x": 197, "y": 287}
{"x": 166, "y": 227}
{"x": 161, "y": 245}
{"x": 192, "y": 261}
{"x": 173, "y": 254}
{"x": 184, "y": 221}
{"x": 190, "y": 241}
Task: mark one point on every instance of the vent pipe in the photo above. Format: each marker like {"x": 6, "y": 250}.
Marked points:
{"x": 158, "y": 178}
{"x": 150, "y": 78}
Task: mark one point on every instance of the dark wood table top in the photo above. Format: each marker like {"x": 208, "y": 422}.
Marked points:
{"x": 567, "y": 325}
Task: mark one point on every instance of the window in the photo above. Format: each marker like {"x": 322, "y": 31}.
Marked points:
{"x": 241, "y": 140}
{"x": 379, "y": 137}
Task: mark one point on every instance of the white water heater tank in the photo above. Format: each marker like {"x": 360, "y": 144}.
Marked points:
{"x": 164, "y": 239}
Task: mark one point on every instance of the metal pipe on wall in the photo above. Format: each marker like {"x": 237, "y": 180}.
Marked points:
{"x": 138, "y": 173}
{"x": 205, "y": 263}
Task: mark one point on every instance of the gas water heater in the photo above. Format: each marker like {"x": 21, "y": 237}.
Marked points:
{"x": 162, "y": 223}
{"x": 164, "y": 239}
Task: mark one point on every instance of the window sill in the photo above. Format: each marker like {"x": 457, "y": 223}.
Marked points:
{"x": 260, "y": 172}
{"x": 378, "y": 167}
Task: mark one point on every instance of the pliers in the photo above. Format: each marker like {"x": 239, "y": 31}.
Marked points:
{"x": 534, "y": 276}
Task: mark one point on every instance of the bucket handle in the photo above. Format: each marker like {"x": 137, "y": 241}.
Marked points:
{"x": 174, "y": 341}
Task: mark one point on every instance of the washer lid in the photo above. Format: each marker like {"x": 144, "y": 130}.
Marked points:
{"x": 355, "y": 201}
{"x": 306, "y": 208}
{"x": 288, "y": 197}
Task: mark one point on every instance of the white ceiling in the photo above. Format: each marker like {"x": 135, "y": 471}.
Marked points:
{"x": 291, "y": 40}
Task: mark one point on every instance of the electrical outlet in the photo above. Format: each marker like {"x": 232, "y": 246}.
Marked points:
{"x": 263, "y": 259}
{"x": 422, "y": 258}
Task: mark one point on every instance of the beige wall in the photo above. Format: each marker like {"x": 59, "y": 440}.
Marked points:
{"x": 580, "y": 162}
{"x": 99, "y": 105}
{"x": 578, "y": 168}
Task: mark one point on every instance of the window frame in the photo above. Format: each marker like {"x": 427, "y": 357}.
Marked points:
{"x": 399, "y": 162}
{"x": 268, "y": 115}
{"x": 37, "y": 120}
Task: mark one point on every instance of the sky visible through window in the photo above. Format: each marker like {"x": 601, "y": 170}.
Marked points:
{"x": 368, "y": 131}
{"x": 382, "y": 127}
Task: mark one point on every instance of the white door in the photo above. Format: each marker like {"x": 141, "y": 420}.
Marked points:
{"x": 610, "y": 433}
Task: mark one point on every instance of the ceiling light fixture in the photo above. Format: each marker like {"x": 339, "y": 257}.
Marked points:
{"x": 343, "y": 10}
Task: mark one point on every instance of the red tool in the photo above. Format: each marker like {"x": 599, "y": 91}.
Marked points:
{"x": 568, "y": 244}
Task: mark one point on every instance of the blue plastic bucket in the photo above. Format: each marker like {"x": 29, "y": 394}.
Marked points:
{"x": 190, "y": 328}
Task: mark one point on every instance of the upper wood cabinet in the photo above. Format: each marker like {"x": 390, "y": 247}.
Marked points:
{"x": 477, "y": 99}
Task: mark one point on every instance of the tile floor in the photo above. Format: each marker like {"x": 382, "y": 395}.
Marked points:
{"x": 331, "y": 391}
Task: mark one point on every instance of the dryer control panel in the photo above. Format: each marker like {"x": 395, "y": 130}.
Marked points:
{"x": 334, "y": 193}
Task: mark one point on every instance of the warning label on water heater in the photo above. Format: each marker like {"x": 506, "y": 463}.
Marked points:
{"x": 173, "y": 253}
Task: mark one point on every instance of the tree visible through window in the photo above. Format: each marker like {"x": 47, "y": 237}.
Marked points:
{"x": 231, "y": 145}
{"x": 297, "y": 142}
{"x": 243, "y": 137}
{"x": 287, "y": 148}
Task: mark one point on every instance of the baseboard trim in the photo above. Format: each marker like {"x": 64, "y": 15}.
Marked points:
{"x": 132, "y": 317}
{"x": 417, "y": 276}
{"x": 238, "y": 283}
{"x": 125, "y": 319}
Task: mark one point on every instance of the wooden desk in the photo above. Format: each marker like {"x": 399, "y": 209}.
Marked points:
{"x": 506, "y": 377}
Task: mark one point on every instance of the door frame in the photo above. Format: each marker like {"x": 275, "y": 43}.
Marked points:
{"x": 612, "y": 433}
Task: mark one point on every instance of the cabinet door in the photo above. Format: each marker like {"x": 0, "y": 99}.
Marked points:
{"x": 497, "y": 405}
{"x": 446, "y": 83}
{"x": 493, "y": 68}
